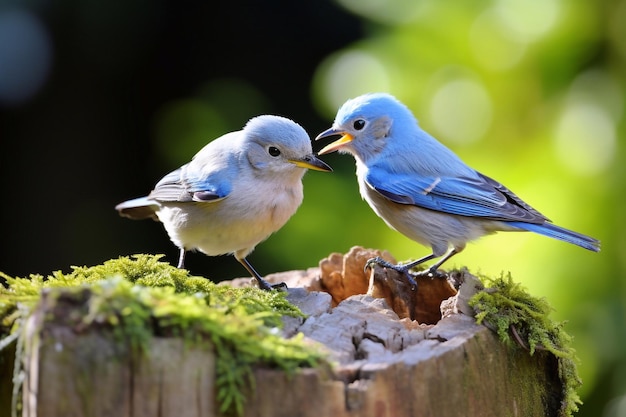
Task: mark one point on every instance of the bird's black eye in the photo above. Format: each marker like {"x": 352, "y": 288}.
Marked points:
{"x": 359, "y": 124}
{"x": 274, "y": 151}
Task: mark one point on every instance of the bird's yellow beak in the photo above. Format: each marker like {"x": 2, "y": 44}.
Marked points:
{"x": 311, "y": 162}
{"x": 332, "y": 147}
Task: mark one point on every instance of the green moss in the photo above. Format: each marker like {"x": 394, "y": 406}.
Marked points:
{"x": 141, "y": 297}
{"x": 509, "y": 310}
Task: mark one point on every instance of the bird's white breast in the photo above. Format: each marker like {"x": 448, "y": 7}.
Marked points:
{"x": 236, "y": 224}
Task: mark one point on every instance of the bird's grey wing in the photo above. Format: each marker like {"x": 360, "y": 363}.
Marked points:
{"x": 207, "y": 178}
{"x": 138, "y": 208}
{"x": 511, "y": 196}
{"x": 474, "y": 197}
{"x": 184, "y": 185}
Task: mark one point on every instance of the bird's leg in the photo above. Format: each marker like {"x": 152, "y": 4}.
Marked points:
{"x": 433, "y": 269}
{"x": 263, "y": 284}
{"x": 181, "y": 259}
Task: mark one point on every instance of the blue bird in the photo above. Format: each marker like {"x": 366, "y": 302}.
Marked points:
{"x": 236, "y": 191}
{"x": 421, "y": 189}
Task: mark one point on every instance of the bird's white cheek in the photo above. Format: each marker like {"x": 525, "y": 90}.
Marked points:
{"x": 345, "y": 150}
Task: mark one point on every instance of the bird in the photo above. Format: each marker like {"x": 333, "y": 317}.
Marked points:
{"x": 235, "y": 192}
{"x": 422, "y": 189}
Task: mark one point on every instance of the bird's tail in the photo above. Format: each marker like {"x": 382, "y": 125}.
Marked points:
{"x": 138, "y": 209}
{"x": 560, "y": 233}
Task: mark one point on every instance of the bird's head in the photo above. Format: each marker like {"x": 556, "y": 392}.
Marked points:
{"x": 365, "y": 124}
{"x": 277, "y": 145}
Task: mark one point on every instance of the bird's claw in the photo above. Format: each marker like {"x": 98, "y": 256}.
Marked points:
{"x": 380, "y": 262}
{"x": 398, "y": 268}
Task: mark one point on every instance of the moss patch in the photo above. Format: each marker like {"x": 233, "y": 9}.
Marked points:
{"x": 140, "y": 297}
{"x": 509, "y": 310}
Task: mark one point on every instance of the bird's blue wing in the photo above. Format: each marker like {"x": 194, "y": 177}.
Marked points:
{"x": 182, "y": 186}
{"x": 479, "y": 196}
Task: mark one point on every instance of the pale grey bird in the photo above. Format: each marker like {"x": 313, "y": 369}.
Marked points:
{"x": 235, "y": 192}
{"x": 422, "y": 189}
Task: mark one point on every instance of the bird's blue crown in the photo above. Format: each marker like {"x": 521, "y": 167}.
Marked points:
{"x": 372, "y": 105}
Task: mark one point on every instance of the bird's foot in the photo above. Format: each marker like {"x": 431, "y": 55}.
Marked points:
{"x": 266, "y": 286}
{"x": 432, "y": 272}
{"x": 380, "y": 262}
{"x": 402, "y": 269}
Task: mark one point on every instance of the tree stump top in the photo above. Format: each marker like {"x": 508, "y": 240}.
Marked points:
{"x": 394, "y": 350}
{"x": 401, "y": 351}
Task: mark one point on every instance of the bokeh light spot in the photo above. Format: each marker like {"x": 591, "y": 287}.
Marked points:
{"x": 616, "y": 407}
{"x": 347, "y": 75}
{"x": 461, "y": 111}
{"x": 528, "y": 20}
{"x": 599, "y": 87}
{"x": 492, "y": 45}
{"x": 25, "y": 56}
{"x": 585, "y": 138}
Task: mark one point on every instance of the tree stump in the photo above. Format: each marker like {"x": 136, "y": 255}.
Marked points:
{"x": 396, "y": 355}
{"x": 394, "y": 351}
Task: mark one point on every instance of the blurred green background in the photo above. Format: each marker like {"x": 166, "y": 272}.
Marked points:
{"x": 98, "y": 100}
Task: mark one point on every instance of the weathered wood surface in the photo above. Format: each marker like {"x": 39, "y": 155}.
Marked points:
{"x": 393, "y": 367}
{"x": 385, "y": 365}
{"x": 93, "y": 373}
